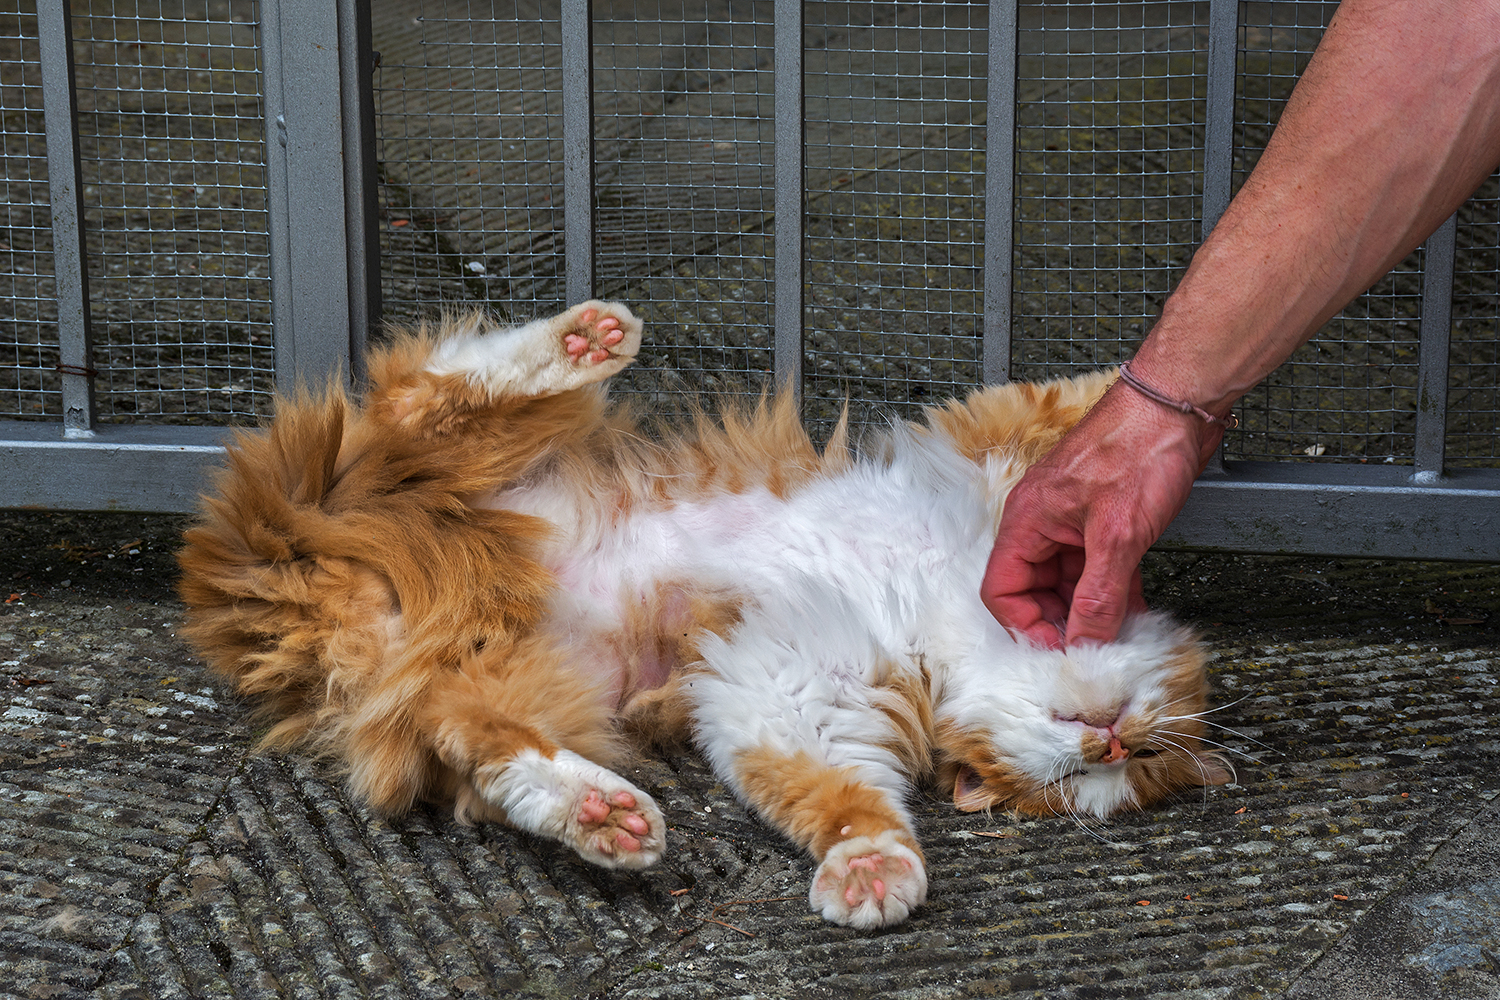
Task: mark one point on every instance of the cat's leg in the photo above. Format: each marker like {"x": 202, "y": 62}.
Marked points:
{"x": 813, "y": 735}
{"x": 871, "y": 872}
{"x": 519, "y": 738}
{"x": 584, "y": 344}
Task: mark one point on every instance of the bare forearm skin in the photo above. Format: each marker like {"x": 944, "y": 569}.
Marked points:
{"x": 1393, "y": 125}
{"x": 1395, "y": 122}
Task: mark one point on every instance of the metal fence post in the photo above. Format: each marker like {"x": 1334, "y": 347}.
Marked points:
{"x": 791, "y": 196}
{"x": 361, "y": 176}
{"x": 999, "y": 191}
{"x": 1218, "y": 132}
{"x": 65, "y": 188}
{"x": 578, "y": 148}
{"x": 1218, "y": 126}
{"x": 302, "y": 48}
{"x": 1432, "y": 354}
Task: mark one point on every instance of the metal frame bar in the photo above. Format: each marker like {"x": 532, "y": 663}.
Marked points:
{"x": 65, "y": 190}
{"x": 1218, "y": 132}
{"x": 1359, "y": 510}
{"x": 578, "y": 148}
{"x": 361, "y": 177}
{"x": 999, "y": 190}
{"x": 1432, "y": 352}
{"x": 791, "y": 195}
{"x": 127, "y": 468}
{"x": 1218, "y": 124}
{"x": 301, "y": 42}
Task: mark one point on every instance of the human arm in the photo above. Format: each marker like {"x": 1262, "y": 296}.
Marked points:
{"x": 1394, "y": 123}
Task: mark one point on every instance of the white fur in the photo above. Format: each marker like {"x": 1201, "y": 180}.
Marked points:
{"x": 847, "y": 895}
{"x": 543, "y": 795}
{"x": 808, "y": 667}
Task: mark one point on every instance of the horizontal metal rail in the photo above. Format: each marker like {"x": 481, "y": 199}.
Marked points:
{"x": 125, "y": 468}
{"x": 1343, "y": 510}
{"x": 320, "y": 181}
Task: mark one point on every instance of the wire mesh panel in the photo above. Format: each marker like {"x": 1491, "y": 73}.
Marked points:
{"x": 1350, "y": 393}
{"x": 469, "y": 124}
{"x": 171, "y": 132}
{"x": 895, "y": 98}
{"x": 831, "y": 183}
{"x": 28, "y": 304}
{"x": 1108, "y": 165}
{"x": 1474, "y": 395}
{"x": 684, "y": 209}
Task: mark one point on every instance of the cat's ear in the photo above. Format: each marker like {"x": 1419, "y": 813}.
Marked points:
{"x": 969, "y": 793}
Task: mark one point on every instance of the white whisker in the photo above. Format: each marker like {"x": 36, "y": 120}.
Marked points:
{"x": 1162, "y": 733}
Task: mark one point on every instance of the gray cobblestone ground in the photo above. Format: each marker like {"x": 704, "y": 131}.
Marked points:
{"x": 144, "y": 852}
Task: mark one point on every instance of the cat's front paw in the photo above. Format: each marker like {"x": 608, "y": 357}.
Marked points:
{"x": 869, "y": 882}
{"x": 602, "y": 337}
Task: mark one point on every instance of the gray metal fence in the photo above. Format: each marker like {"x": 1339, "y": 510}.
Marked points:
{"x": 209, "y": 199}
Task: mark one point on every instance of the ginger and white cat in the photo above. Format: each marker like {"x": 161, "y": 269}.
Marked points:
{"x": 467, "y": 590}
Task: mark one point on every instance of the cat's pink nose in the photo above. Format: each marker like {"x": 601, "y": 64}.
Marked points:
{"x": 1116, "y": 751}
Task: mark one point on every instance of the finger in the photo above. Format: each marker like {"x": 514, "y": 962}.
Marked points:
{"x": 1022, "y": 596}
{"x": 1104, "y": 593}
{"x": 1136, "y": 603}
{"x": 1070, "y": 563}
{"x": 1013, "y": 570}
{"x": 1044, "y": 634}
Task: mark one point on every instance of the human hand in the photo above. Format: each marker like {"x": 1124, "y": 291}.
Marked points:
{"x": 1066, "y": 563}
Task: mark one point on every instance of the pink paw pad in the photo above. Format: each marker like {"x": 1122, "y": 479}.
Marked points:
{"x": 870, "y": 863}
{"x": 593, "y": 344}
{"x": 614, "y": 821}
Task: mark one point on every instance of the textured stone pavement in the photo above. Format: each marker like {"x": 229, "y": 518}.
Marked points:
{"x": 144, "y": 852}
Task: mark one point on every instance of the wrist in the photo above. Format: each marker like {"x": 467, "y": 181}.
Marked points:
{"x": 1227, "y": 420}
{"x": 1124, "y": 422}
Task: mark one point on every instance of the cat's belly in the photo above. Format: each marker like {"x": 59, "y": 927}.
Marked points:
{"x": 889, "y": 552}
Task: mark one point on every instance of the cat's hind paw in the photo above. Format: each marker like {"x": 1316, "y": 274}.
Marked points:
{"x": 599, "y": 338}
{"x": 617, "y": 829}
{"x": 868, "y": 882}
{"x": 600, "y": 815}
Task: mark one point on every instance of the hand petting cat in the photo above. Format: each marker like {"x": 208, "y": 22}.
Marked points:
{"x": 1394, "y": 123}
{"x": 1066, "y": 568}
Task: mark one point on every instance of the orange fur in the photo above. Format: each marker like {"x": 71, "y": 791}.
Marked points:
{"x": 352, "y": 574}
{"x": 818, "y": 805}
{"x": 1003, "y": 785}
{"x": 1019, "y": 419}
{"x": 345, "y": 566}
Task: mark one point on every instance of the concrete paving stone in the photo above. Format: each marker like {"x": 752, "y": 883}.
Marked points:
{"x": 145, "y": 852}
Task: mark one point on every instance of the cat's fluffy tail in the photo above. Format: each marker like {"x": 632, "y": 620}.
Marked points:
{"x": 336, "y": 562}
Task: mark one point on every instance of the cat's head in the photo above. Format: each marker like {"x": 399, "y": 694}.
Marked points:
{"x": 1088, "y": 731}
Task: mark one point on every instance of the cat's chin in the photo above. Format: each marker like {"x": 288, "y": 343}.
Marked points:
{"x": 1102, "y": 795}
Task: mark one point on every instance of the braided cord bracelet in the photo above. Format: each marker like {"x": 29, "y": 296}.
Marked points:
{"x": 1230, "y": 421}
